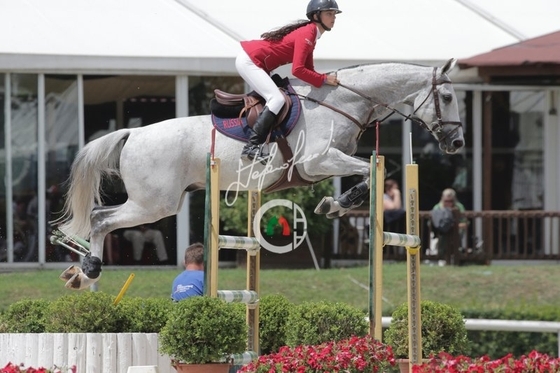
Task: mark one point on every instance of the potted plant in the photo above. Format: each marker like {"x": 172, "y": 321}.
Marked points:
{"x": 201, "y": 333}
{"x": 443, "y": 330}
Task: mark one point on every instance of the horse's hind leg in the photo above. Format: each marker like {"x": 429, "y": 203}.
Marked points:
{"x": 81, "y": 278}
{"x": 107, "y": 219}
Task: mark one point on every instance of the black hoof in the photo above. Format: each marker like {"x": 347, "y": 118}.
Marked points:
{"x": 91, "y": 266}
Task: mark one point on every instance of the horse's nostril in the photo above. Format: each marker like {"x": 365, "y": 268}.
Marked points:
{"x": 458, "y": 143}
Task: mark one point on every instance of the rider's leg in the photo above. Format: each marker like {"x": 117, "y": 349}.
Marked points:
{"x": 261, "y": 82}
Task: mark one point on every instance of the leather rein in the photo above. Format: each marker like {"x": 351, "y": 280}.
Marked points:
{"x": 437, "y": 129}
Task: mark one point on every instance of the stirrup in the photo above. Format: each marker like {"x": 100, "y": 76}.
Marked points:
{"x": 250, "y": 152}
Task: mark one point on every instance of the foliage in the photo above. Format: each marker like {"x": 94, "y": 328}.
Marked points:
{"x": 233, "y": 217}
{"x": 12, "y": 368}
{"x": 356, "y": 354}
{"x": 443, "y": 329}
{"x": 202, "y": 330}
{"x": 273, "y": 315}
{"x": 24, "y": 316}
{"x": 496, "y": 344}
{"x": 86, "y": 312}
{"x": 534, "y": 362}
{"x": 314, "y": 323}
{"x": 145, "y": 315}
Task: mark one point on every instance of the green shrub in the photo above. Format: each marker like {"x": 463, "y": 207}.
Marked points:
{"x": 145, "y": 315}
{"x": 86, "y": 312}
{"x": 496, "y": 344}
{"x": 273, "y": 315}
{"x": 202, "y": 330}
{"x": 315, "y": 323}
{"x": 443, "y": 329}
{"x": 24, "y": 316}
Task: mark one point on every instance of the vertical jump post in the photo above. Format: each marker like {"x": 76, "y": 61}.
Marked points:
{"x": 410, "y": 240}
{"x": 213, "y": 242}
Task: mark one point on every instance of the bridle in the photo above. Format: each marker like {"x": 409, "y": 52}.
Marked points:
{"x": 436, "y": 130}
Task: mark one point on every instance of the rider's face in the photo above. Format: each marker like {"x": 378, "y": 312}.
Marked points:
{"x": 328, "y": 17}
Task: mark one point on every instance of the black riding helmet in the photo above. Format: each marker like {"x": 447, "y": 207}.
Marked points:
{"x": 317, "y": 6}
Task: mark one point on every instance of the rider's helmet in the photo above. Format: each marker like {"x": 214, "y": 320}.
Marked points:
{"x": 316, "y": 6}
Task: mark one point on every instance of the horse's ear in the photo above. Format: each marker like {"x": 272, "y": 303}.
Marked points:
{"x": 449, "y": 65}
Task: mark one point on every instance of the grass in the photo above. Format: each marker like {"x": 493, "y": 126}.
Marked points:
{"x": 485, "y": 287}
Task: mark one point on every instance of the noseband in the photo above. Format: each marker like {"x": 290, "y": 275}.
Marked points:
{"x": 437, "y": 128}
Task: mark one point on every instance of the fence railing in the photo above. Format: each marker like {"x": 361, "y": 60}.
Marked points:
{"x": 490, "y": 235}
{"x": 505, "y": 326}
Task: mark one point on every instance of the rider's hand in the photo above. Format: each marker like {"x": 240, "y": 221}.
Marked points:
{"x": 331, "y": 80}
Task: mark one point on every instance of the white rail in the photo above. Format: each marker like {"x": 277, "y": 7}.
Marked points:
{"x": 505, "y": 326}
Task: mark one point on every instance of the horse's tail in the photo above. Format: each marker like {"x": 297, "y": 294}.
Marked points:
{"x": 98, "y": 159}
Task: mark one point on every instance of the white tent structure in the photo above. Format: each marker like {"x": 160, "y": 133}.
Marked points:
{"x": 195, "y": 37}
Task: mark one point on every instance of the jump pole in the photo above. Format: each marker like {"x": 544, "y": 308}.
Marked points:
{"x": 410, "y": 240}
{"x": 214, "y": 242}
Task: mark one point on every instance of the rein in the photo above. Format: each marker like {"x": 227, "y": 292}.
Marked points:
{"x": 436, "y": 129}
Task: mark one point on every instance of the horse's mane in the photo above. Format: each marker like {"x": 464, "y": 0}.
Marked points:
{"x": 378, "y": 64}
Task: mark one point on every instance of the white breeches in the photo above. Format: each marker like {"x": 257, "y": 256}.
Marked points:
{"x": 260, "y": 81}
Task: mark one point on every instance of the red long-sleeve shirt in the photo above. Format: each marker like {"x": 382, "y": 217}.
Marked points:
{"x": 296, "y": 48}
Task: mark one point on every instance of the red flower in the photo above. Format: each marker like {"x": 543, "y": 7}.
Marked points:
{"x": 353, "y": 355}
{"x": 12, "y": 368}
{"x": 535, "y": 362}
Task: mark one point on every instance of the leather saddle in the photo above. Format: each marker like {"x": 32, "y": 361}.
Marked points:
{"x": 249, "y": 105}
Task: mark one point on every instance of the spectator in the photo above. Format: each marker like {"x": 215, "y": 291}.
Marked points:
{"x": 447, "y": 214}
{"x": 190, "y": 282}
{"x": 140, "y": 236}
{"x": 392, "y": 202}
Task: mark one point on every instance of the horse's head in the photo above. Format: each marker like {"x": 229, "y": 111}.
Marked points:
{"x": 437, "y": 110}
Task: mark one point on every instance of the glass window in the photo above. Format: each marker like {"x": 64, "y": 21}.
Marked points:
{"x": 527, "y": 118}
{"x": 112, "y": 103}
{"x": 24, "y": 166}
{"x": 61, "y": 141}
{"x": 3, "y": 223}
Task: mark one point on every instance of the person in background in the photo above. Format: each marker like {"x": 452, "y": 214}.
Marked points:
{"x": 443, "y": 220}
{"x": 293, "y": 43}
{"x": 142, "y": 234}
{"x": 190, "y": 282}
{"x": 392, "y": 202}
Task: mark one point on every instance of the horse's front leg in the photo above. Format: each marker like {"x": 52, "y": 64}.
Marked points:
{"x": 337, "y": 163}
{"x": 352, "y": 198}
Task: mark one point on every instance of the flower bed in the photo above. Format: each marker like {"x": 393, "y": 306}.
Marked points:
{"x": 12, "y": 368}
{"x": 356, "y": 354}
{"x": 534, "y": 362}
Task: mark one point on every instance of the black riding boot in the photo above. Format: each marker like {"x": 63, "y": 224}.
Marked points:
{"x": 253, "y": 148}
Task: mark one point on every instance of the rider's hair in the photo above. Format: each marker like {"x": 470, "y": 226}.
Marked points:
{"x": 278, "y": 34}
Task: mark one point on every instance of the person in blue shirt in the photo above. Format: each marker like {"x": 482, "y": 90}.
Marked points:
{"x": 190, "y": 282}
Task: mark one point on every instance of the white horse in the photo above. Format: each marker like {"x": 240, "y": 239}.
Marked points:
{"x": 160, "y": 163}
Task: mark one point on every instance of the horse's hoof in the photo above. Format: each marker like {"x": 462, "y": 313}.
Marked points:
{"x": 80, "y": 281}
{"x": 337, "y": 214}
{"x": 91, "y": 266}
{"x": 326, "y": 206}
{"x": 70, "y": 272}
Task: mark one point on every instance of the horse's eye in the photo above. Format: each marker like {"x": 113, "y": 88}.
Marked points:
{"x": 447, "y": 98}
